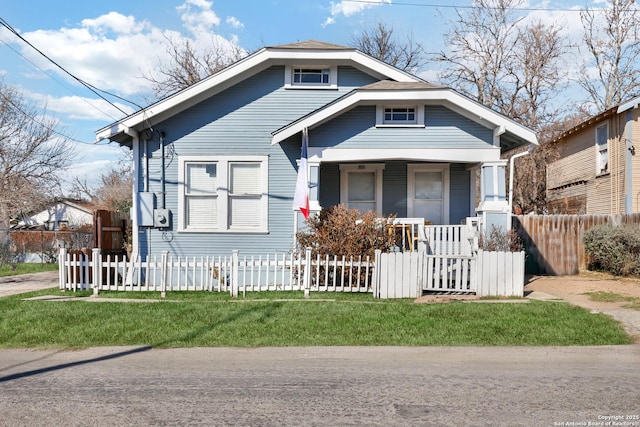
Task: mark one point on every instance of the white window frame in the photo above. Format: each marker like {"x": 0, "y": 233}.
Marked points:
{"x": 378, "y": 168}
{"x": 602, "y": 148}
{"x": 381, "y": 122}
{"x": 412, "y": 168}
{"x": 289, "y": 80}
{"x": 223, "y": 194}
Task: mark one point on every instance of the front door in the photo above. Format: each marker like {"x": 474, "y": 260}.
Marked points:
{"x": 428, "y": 192}
{"x": 361, "y": 187}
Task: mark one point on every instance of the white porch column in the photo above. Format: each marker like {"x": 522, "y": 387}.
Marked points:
{"x": 494, "y": 206}
{"x": 314, "y": 185}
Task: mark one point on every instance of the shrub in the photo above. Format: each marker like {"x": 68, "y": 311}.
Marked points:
{"x": 614, "y": 249}
{"x": 500, "y": 240}
{"x": 347, "y": 232}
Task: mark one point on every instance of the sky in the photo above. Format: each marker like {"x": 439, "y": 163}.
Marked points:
{"x": 112, "y": 44}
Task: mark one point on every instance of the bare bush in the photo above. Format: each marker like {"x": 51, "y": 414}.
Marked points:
{"x": 347, "y": 232}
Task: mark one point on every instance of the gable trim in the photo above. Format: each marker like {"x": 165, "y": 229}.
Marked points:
{"x": 239, "y": 71}
{"x": 446, "y": 97}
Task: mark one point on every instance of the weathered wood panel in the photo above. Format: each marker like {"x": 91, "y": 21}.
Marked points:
{"x": 110, "y": 232}
{"x": 554, "y": 243}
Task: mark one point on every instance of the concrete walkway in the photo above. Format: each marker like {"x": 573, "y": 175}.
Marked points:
{"x": 12, "y": 285}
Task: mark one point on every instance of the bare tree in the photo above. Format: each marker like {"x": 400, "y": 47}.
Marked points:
{"x": 481, "y": 50}
{"x": 114, "y": 192}
{"x": 535, "y": 76}
{"x": 530, "y": 172}
{"x": 612, "y": 39}
{"x": 31, "y": 156}
{"x": 188, "y": 64}
{"x": 380, "y": 42}
{"x": 513, "y": 67}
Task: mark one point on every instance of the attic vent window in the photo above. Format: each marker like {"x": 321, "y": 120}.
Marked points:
{"x": 311, "y": 76}
{"x": 400, "y": 115}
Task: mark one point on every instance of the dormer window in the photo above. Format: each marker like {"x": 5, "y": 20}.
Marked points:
{"x": 310, "y": 77}
{"x": 400, "y": 116}
{"x": 395, "y": 115}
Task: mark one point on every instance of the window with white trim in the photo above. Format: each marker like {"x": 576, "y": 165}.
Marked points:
{"x": 311, "y": 77}
{"x": 400, "y": 115}
{"x": 361, "y": 187}
{"x": 223, "y": 194}
{"x": 602, "y": 149}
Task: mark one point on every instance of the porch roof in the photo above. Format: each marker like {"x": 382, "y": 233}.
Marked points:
{"x": 511, "y": 133}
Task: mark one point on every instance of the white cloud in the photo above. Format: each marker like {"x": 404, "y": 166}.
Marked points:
{"x": 100, "y": 52}
{"x": 349, "y": 8}
{"x": 234, "y": 22}
{"x": 115, "y": 22}
{"x": 197, "y": 16}
{"x": 328, "y": 21}
{"x": 113, "y": 51}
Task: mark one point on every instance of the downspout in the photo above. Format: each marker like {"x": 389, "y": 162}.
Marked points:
{"x": 135, "y": 145}
{"x": 162, "y": 172}
{"x": 630, "y": 151}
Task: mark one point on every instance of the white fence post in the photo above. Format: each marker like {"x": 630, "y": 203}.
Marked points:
{"x": 62, "y": 269}
{"x": 306, "y": 282}
{"x": 375, "y": 276}
{"x": 163, "y": 279}
{"x": 96, "y": 266}
{"x": 234, "y": 273}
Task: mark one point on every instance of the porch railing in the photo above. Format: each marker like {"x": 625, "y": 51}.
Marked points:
{"x": 436, "y": 239}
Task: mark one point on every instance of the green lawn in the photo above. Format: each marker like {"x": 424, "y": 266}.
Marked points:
{"x": 202, "y": 319}
{"x": 26, "y": 268}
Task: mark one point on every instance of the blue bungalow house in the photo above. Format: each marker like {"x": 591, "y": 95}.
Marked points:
{"x": 215, "y": 165}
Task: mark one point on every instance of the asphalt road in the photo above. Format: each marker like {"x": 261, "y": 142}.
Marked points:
{"x": 325, "y": 386}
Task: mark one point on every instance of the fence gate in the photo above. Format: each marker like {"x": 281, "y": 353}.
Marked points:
{"x": 410, "y": 274}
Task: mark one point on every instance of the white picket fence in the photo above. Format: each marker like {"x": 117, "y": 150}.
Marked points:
{"x": 388, "y": 275}
{"x": 234, "y": 274}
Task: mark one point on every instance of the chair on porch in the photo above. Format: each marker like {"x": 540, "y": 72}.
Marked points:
{"x": 411, "y": 230}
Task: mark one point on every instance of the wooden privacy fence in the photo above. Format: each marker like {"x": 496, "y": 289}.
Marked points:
{"x": 555, "y": 243}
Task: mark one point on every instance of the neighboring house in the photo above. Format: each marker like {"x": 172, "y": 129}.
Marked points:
{"x": 597, "y": 170}
{"x": 215, "y": 165}
{"x": 62, "y": 214}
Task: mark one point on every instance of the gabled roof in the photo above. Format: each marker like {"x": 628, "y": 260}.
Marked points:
{"x": 430, "y": 94}
{"x": 312, "y": 44}
{"x": 125, "y": 129}
{"x": 617, "y": 109}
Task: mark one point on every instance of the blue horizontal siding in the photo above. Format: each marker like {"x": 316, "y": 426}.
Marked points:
{"x": 237, "y": 121}
{"x": 444, "y": 129}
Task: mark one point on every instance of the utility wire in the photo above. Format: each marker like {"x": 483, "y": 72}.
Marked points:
{"x": 453, "y": 6}
{"x": 50, "y": 129}
{"x": 92, "y": 88}
{"x": 56, "y": 80}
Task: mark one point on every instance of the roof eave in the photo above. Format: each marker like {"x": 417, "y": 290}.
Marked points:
{"x": 444, "y": 96}
{"x": 256, "y": 62}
